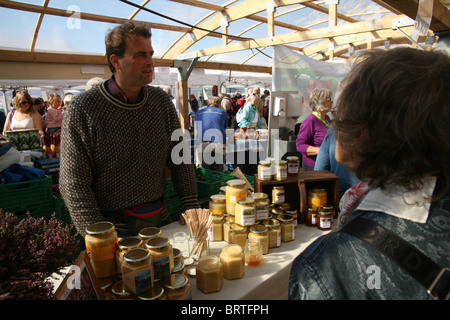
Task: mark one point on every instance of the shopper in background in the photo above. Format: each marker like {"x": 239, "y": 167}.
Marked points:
{"x": 117, "y": 143}
{"x": 392, "y": 129}
{"x": 23, "y": 115}
{"x": 248, "y": 117}
{"x": 314, "y": 128}
{"x": 55, "y": 114}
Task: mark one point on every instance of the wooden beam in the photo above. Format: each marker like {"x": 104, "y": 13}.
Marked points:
{"x": 38, "y": 26}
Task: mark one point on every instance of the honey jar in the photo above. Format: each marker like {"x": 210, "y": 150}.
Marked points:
{"x": 287, "y": 227}
{"x": 237, "y": 235}
{"x": 294, "y": 215}
{"x": 179, "y": 267}
{"x": 253, "y": 253}
{"x": 215, "y": 231}
{"x": 209, "y": 274}
{"x": 101, "y": 246}
{"x": 317, "y": 198}
{"x": 265, "y": 171}
{"x": 245, "y": 212}
{"x": 155, "y": 293}
{"x": 274, "y": 233}
{"x": 261, "y": 205}
{"x": 229, "y": 220}
{"x": 137, "y": 271}
{"x": 278, "y": 195}
{"x": 260, "y": 232}
{"x": 177, "y": 287}
{"x": 119, "y": 292}
{"x": 324, "y": 219}
{"x": 281, "y": 170}
{"x": 292, "y": 166}
{"x": 233, "y": 261}
{"x": 311, "y": 217}
{"x": 149, "y": 233}
{"x": 217, "y": 204}
{"x": 236, "y": 189}
{"x": 161, "y": 252}
{"x": 123, "y": 246}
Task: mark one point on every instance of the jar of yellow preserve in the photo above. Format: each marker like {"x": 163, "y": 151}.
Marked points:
{"x": 101, "y": 245}
{"x": 294, "y": 215}
{"x": 162, "y": 255}
{"x": 281, "y": 170}
{"x": 215, "y": 231}
{"x": 209, "y": 274}
{"x": 278, "y": 195}
{"x": 217, "y": 204}
{"x": 274, "y": 233}
{"x": 177, "y": 287}
{"x": 123, "y": 246}
{"x": 229, "y": 220}
{"x": 261, "y": 205}
{"x": 265, "y": 171}
{"x": 236, "y": 189}
{"x": 317, "y": 198}
{"x": 260, "y": 232}
{"x": 137, "y": 271}
{"x": 233, "y": 261}
{"x": 287, "y": 227}
{"x": 237, "y": 235}
{"x": 245, "y": 212}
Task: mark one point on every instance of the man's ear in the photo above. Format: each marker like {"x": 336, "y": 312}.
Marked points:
{"x": 114, "y": 59}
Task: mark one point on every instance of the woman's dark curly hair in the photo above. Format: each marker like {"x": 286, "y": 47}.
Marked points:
{"x": 393, "y": 115}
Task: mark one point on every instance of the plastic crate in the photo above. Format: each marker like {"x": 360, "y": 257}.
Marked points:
{"x": 35, "y": 196}
{"x": 209, "y": 182}
{"x": 173, "y": 202}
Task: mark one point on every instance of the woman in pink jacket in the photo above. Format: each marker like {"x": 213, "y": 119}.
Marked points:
{"x": 54, "y": 116}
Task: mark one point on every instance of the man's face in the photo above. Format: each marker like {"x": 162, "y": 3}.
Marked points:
{"x": 135, "y": 68}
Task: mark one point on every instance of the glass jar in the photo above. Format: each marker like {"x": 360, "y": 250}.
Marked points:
{"x": 311, "y": 217}
{"x": 274, "y": 233}
{"x": 294, "y": 215}
{"x": 177, "y": 255}
{"x": 261, "y": 205}
{"x": 177, "y": 287}
{"x": 123, "y": 246}
{"x": 324, "y": 219}
{"x": 209, "y": 274}
{"x": 155, "y": 293}
{"x": 281, "y": 170}
{"x": 287, "y": 227}
{"x": 237, "y": 235}
{"x": 276, "y": 212}
{"x": 329, "y": 208}
{"x": 283, "y": 206}
{"x": 149, "y": 233}
{"x": 245, "y": 212}
{"x": 278, "y": 195}
{"x": 101, "y": 246}
{"x": 233, "y": 261}
{"x": 161, "y": 252}
{"x": 236, "y": 189}
{"x": 317, "y": 198}
{"x": 119, "y": 292}
{"x": 260, "y": 232}
{"x": 292, "y": 166}
{"x": 137, "y": 271}
{"x": 265, "y": 171}
{"x": 215, "y": 231}
{"x": 223, "y": 190}
{"x": 179, "y": 268}
{"x": 253, "y": 253}
{"x": 226, "y": 227}
{"x": 217, "y": 204}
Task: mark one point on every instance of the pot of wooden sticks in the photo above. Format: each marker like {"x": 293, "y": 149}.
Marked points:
{"x": 198, "y": 221}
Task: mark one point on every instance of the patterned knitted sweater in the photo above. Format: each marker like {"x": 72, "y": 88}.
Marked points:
{"x": 114, "y": 154}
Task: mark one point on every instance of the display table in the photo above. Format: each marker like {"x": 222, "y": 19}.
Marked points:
{"x": 268, "y": 281}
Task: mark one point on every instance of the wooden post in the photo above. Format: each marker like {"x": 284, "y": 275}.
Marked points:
{"x": 184, "y": 103}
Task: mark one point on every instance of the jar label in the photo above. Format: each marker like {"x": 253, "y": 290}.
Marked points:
{"x": 325, "y": 223}
{"x": 103, "y": 253}
{"x": 235, "y": 198}
{"x": 313, "y": 218}
{"x": 281, "y": 173}
{"x": 247, "y": 217}
{"x": 161, "y": 267}
{"x": 262, "y": 211}
{"x": 293, "y": 167}
{"x": 138, "y": 282}
{"x": 278, "y": 238}
{"x": 265, "y": 173}
{"x": 279, "y": 197}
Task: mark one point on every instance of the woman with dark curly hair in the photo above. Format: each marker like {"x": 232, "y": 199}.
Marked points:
{"x": 392, "y": 129}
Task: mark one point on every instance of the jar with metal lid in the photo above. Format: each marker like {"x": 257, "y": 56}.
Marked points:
{"x": 217, "y": 204}
{"x": 329, "y": 208}
{"x": 123, "y": 246}
{"x": 209, "y": 274}
{"x": 155, "y": 293}
{"x": 292, "y": 166}
{"x": 283, "y": 206}
{"x": 265, "y": 172}
{"x": 119, "y": 292}
{"x": 324, "y": 219}
{"x": 287, "y": 227}
{"x": 137, "y": 271}
{"x": 260, "y": 232}
{"x": 101, "y": 245}
{"x": 236, "y": 189}
{"x": 233, "y": 261}
{"x": 149, "y": 233}
{"x": 223, "y": 190}
{"x": 179, "y": 268}
{"x": 253, "y": 253}
{"x": 161, "y": 252}
{"x": 311, "y": 217}
{"x": 278, "y": 194}
{"x": 244, "y": 212}
{"x": 237, "y": 235}
{"x": 276, "y": 212}
{"x": 280, "y": 170}
{"x": 229, "y": 220}
{"x": 177, "y": 287}
{"x": 261, "y": 205}
{"x": 294, "y": 215}
{"x": 274, "y": 233}
{"x": 215, "y": 231}
{"x": 177, "y": 255}
{"x": 317, "y": 198}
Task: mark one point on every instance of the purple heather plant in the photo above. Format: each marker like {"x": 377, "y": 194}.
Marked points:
{"x": 31, "y": 250}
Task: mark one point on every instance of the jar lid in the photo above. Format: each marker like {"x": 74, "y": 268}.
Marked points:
{"x": 237, "y": 227}
{"x": 291, "y": 212}
{"x": 209, "y": 262}
{"x": 313, "y": 209}
{"x": 119, "y": 290}
{"x": 246, "y": 201}
{"x": 265, "y": 163}
{"x": 236, "y": 183}
{"x": 282, "y": 162}
{"x": 129, "y": 243}
{"x": 278, "y": 187}
{"x": 285, "y": 217}
{"x": 327, "y": 208}
{"x": 318, "y": 190}
{"x": 258, "y": 228}
{"x": 292, "y": 158}
{"x": 154, "y": 293}
{"x": 218, "y": 198}
{"x": 157, "y": 243}
{"x": 136, "y": 255}
{"x": 98, "y": 228}
{"x": 276, "y": 211}
{"x": 149, "y": 232}
{"x": 232, "y": 249}
{"x": 217, "y": 218}
{"x": 284, "y": 206}
{"x": 272, "y": 223}
{"x": 177, "y": 265}
{"x": 176, "y": 252}
{"x": 259, "y": 196}
{"x": 175, "y": 281}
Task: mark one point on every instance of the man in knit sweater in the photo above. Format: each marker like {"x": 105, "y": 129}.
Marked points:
{"x": 116, "y": 142}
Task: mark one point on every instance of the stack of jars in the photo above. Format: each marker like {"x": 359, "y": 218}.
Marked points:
{"x": 320, "y": 214}
{"x": 147, "y": 267}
